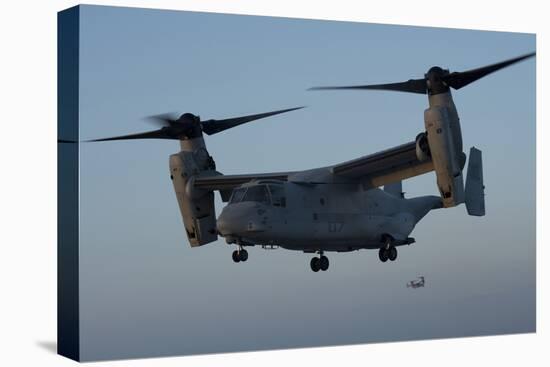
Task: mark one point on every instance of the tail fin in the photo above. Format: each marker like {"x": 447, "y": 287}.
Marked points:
{"x": 395, "y": 189}
{"x": 475, "y": 190}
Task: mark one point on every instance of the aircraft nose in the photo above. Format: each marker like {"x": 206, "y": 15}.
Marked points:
{"x": 238, "y": 219}
{"x": 227, "y": 224}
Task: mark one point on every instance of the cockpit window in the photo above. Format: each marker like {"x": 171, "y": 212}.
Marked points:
{"x": 257, "y": 193}
{"x": 267, "y": 194}
{"x": 237, "y": 196}
{"x": 277, "y": 195}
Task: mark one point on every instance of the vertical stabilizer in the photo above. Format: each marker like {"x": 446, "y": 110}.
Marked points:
{"x": 475, "y": 189}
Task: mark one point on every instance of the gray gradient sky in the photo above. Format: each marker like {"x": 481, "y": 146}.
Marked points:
{"x": 145, "y": 292}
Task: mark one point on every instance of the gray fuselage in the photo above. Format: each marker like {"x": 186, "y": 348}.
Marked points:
{"x": 326, "y": 217}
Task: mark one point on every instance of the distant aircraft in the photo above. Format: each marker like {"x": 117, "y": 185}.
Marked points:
{"x": 337, "y": 208}
{"x": 416, "y": 283}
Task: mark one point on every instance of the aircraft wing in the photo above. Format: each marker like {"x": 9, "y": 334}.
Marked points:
{"x": 226, "y": 183}
{"x": 378, "y": 169}
{"x": 385, "y": 167}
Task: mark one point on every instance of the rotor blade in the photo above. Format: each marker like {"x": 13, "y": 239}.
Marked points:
{"x": 165, "y": 119}
{"x": 66, "y": 141}
{"x": 458, "y": 80}
{"x": 215, "y": 126}
{"x": 411, "y": 86}
{"x": 155, "y": 134}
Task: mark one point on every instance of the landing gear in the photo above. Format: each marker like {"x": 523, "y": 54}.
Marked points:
{"x": 388, "y": 251}
{"x": 319, "y": 263}
{"x": 235, "y": 256}
{"x": 315, "y": 264}
{"x": 240, "y": 255}
{"x": 383, "y": 255}
{"x": 392, "y": 253}
{"x": 387, "y": 254}
{"x": 324, "y": 263}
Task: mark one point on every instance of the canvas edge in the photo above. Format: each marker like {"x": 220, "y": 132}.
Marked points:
{"x": 68, "y": 316}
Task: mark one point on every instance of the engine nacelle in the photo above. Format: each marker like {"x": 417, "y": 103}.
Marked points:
{"x": 447, "y": 163}
{"x": 196, "y": 206}
{"x": 422, "y": 147}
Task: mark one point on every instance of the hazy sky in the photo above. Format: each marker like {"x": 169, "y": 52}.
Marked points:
{"x": 146, "y": 292}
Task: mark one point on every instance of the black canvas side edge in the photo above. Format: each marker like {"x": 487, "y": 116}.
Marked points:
{"x": 68, "y": 331}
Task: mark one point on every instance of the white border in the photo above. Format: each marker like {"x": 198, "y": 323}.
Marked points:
{"x": 28, "y": 184}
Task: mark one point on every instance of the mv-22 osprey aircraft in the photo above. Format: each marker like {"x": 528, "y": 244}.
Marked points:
{"x": 417, "y": 283}
{"x": 335, "y": 208}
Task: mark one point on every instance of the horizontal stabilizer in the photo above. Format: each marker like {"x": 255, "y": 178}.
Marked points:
{"x": 475, "y": 189}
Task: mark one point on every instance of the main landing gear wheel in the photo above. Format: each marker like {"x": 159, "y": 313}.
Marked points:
{"x": 383, "y": 255}
{"x": 323, "y": 263}
{"x": 315, "y": 264}
{"x": 392, "y": 255}
{"x": 387, "y": 254}
{"x": 239, "y": 255}
{"x": 319, "y": 263}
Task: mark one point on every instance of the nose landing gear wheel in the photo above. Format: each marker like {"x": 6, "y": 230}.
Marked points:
{"x": 235, "y": 256}
{"x": 239, "y": 255}
{"x": 315, "y": 264}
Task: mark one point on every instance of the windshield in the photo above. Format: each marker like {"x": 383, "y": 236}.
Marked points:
{"x": 237, "y": 196}
{"x": 257, "y": 193}
{"x": 253, "y": 193}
